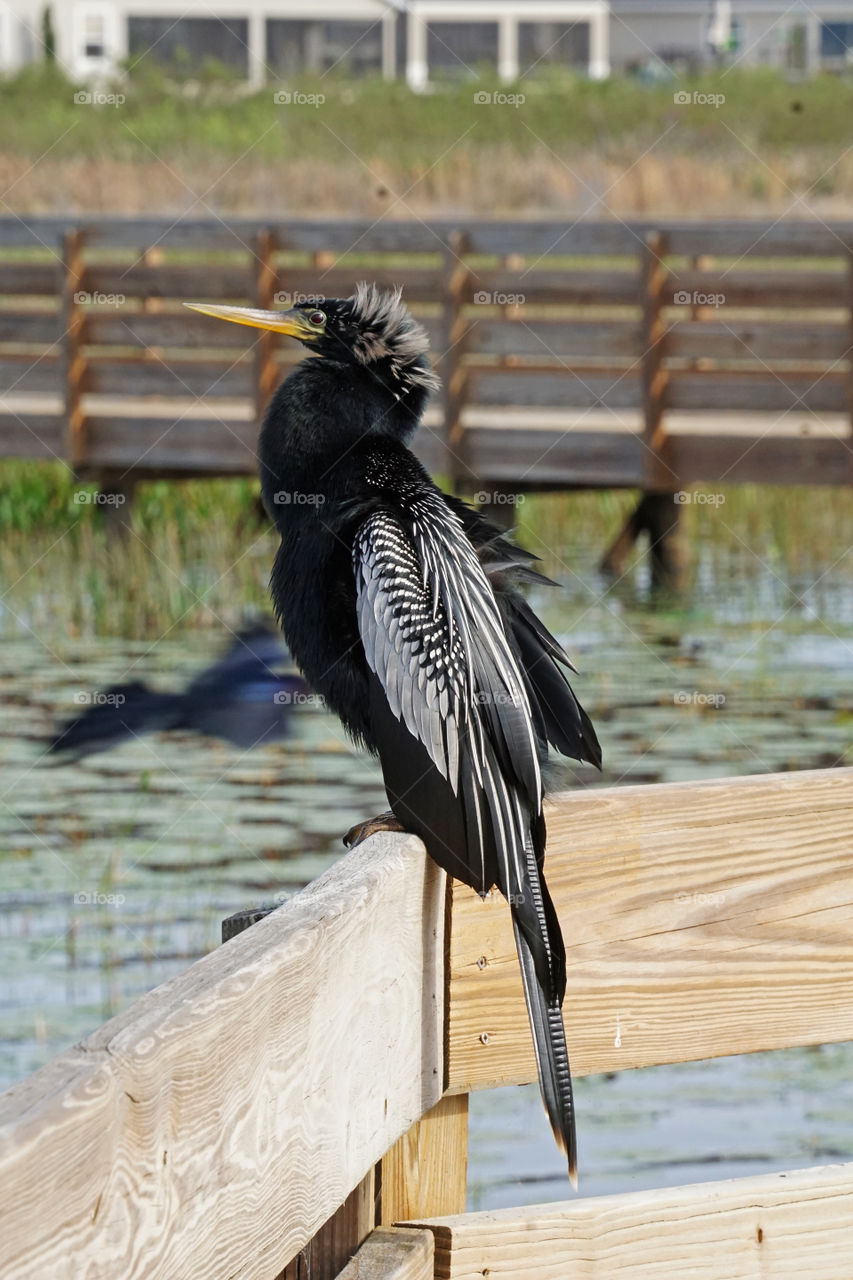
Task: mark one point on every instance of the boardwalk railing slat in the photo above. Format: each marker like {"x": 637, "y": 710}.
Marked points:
{"x": 658, "y": 889}
{"x": 776, "y": 1226}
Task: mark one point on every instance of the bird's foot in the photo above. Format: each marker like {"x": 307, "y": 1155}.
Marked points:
{"x": 363, "y": 830}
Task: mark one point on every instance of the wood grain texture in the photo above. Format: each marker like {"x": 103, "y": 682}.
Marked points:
{"x": 781, "y": 1226}
{"x": 425, "y": 1173}
{"x": 700, "y": 919}
{"x": 328, "y": 1251}
{"x": 393, "y": 1253}
{"x": 212, "y": 1128}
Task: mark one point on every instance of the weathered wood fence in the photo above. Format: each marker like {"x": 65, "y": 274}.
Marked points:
{"x": 298, "y": 1092}
{"x": 573, "y": 354}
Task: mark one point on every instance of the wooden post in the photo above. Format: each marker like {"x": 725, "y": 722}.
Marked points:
{"x": 456, "y": 288}
{"x": 658, "y": 515}
{"x": 329, "y": 1251}
{"x": 266, "y": 282}
{"x": 115, "y": 500}
{"x": 657, "y": 512}
{"x": 850, "y": 333}
{"x": 73, "y": 325}
{"x": 654, "y": 280}
{"x": 428, "y": 1166}
{"x": 661, "y": 517}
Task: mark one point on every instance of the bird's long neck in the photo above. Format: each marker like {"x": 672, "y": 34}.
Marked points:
{"x": 322, "y": 410}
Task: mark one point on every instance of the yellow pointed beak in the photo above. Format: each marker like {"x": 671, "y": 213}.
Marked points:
{"x": 293, "y": 323}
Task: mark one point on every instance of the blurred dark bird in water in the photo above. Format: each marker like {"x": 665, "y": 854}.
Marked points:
{"x": 401, "y": 606}
{"x": 242, "y": 698}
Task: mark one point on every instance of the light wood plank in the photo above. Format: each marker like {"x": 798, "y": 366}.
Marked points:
{"x": 785, "y": 289}
{"x": 212, "y": 1128}
{"x": 781, "y": 1226}
{"x": 773, "y": 458}
{"x": 757, "y": 389}
{"x": 393, "y": 1253}
{"x": 700, "y": 919}
{"x": 758, "y": 341}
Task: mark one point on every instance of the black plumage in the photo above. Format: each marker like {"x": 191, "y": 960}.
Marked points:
{"x": 243, "y": 698}
{"x": 402, "y": 607}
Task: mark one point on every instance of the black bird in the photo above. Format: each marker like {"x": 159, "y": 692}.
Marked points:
{"x": 401, "y": 606}
{"x": 240, "y": 698}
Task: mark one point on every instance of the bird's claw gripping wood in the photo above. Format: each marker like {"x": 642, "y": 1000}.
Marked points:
{"x": 364, "y": 830}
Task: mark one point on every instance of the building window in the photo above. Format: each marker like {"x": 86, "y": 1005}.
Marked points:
{"x": 305, "y": 44}
{"x": 836, "y": 44}
{"x": 190, "y": 42}
{"x": 544, "y": 44}
{"x": 94, "y": 39}
{"x": 460, "y": 48}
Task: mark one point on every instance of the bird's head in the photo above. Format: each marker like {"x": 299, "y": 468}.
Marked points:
{"x": 373, "y": 329}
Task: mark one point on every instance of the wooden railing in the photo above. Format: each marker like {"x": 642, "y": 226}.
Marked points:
{"x": 573, "y": 354}
{"x": 261, "y": 1114}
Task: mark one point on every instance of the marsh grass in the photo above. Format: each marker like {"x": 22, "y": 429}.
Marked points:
{"x": 199, "y": 554}
{"x": 574, "y": 146}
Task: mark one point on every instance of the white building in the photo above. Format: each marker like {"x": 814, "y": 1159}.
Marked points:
{"x": 263, "y": 40}
{"x": 20, "y": 34}
{"x": 272, "y": 39}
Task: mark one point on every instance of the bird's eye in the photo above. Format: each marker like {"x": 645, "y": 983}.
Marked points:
{"x": 317, "y": 318}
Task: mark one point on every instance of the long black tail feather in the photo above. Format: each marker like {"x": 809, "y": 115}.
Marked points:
{"x": 542, "y": 958}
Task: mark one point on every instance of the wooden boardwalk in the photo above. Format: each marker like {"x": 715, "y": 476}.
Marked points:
{"x": 300, "y": 1093}
{"x": 640, "y": 355}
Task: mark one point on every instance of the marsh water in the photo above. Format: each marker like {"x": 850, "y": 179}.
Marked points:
{"x": 117, "y": 870}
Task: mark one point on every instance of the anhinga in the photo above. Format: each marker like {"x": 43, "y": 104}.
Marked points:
{"x": 401, "y": 606}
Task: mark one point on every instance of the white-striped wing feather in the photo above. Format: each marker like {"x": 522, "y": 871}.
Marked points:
{"x": 433, "y": 634}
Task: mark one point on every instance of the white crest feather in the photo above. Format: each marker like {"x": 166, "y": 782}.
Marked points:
{"x": 389, "y": 331}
